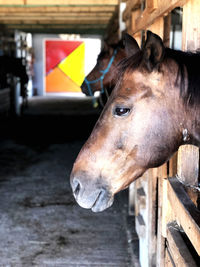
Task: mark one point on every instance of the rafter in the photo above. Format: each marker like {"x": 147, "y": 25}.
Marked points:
{"x": 56, "y": 9}
{"x": 59, "y": 2}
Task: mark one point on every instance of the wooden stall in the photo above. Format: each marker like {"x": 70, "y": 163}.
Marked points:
{"x": 167, "y": 209}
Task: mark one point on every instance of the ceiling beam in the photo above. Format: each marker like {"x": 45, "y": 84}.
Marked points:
{"x": 49, "y": 28}
{"x": 59, "y": 2}
{"x": 55, "y": 16}
{"x": 74, "y": 21}
{"x": 56, "y": 9}
{"x": 55, "y": 26}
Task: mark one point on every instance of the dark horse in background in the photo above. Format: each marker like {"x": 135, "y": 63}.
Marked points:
{"x": 153, "y": 109}
{"x": 102, "y": 77}
{"x": 14, "y": 67}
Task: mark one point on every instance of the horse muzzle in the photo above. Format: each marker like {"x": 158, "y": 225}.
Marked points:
{"x": 84, "y": 89}
{"x": 90, "y": 195}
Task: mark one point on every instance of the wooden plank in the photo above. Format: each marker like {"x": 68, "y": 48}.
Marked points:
{"x": 151, "y": 5}
{"x": 137, "y": 37}
{"x": 135, "y": 14}
{"x": 157, "y": 174}
{"x": 158, "y": 27}
{"x": 140, "y": 226}
{"x": 191, "y": 31}
{"x": 11, "y": 2}
{"x": 161, "y": 210}
{"x": 148, "y": 17}
{"x": 188, "y": 164}
{"x": 185, "y": 211}
{"x": 173, "y": 165}
{"x": 152, "y": 179}
{"x": 167, "y": 29}
{"x": 137, "y": 185}
{"x": 177, "y": 247}
{"x": 167, "y": 214}
{"x": 56, "y": 9}
{"x": 141, "y": 197}
{"x": 73, "y": 21}
{"x": 55, "y": 15}
{"x": 167, "y": 259}
{"x": 130, "y": 6}
{"x": 57, "y": 26}
{"x": 131, "y": 199}
{"x": 65, "y": 28}
{"x": 71, "y": 2}
{"x": 160, "y": 239}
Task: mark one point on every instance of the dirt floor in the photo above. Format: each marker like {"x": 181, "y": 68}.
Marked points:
{"x": 40, "y": 223}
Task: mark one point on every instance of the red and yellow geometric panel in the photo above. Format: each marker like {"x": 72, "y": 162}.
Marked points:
{"x": 65, "y": 65}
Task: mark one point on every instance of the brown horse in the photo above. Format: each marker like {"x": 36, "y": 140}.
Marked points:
{"x": 102, "y": 78}
{"x": 154, "y": 108}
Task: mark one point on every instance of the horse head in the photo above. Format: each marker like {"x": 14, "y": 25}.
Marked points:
{"x": 141, "y": 126}
{"x": 103, "y": 75}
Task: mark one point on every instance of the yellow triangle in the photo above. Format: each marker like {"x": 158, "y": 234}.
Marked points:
{"x": 73, "y": 65}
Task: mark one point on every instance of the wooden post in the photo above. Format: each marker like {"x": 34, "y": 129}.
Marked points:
{"x": 147, "y": 213}
{"x": 188, "y": 156}
{"x": 131, "y": 199}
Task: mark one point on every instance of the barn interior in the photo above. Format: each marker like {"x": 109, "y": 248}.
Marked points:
{"x": 41, "y": 135}
{"x": 44, "y": 127}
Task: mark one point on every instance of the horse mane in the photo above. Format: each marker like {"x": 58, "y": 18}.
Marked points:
{"x": 189, "y": 61}
{"x": 185, "y": 60}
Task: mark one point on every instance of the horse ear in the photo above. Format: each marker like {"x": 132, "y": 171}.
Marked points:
{"x": 105, "y": 47}
{"x": 131, "y": 46}
{"x": 153, "y": 52}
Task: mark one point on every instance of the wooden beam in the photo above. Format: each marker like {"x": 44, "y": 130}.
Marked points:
{"x": 188, "y": 164}
{"x": 168, "y": 259}
{"x": 56, "y": 9}
{"x": 130, "y": 6}
{"x": 148, "y": 17}
{"x": 185, "y": 212}
{"x": 151, "y": 5}
{"x": 173, "y": 165}
{"x": 55, "y": 26}
{"x": 53, "y": 16}
{"x": 57, "y": 21}
{"x": 72, "y": 2}
{"x": 11, "y": 2}
{"x": 177, "y": 247}
{"x": 191, "y": 30}
{"x": 59, "y": 2}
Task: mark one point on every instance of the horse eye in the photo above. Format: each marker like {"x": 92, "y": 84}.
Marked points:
{"x": 121, "y": 111}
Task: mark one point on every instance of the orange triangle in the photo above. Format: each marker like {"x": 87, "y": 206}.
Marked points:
{"x": 57, "y": 81}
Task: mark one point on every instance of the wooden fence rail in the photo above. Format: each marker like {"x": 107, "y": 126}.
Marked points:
{"x": 165, "y": 209}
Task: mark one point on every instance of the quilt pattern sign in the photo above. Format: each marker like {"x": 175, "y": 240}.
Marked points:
{"x": 64, "y": 66}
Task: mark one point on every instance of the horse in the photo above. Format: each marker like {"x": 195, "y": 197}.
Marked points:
{"x": 102, "y": 77}
{"x": 153, "y": 109}
{"x": 15, "y": 67}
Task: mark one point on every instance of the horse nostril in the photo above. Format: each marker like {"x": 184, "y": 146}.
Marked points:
{"x": 76, "y": 187}
{"x": 76, "y": 191}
